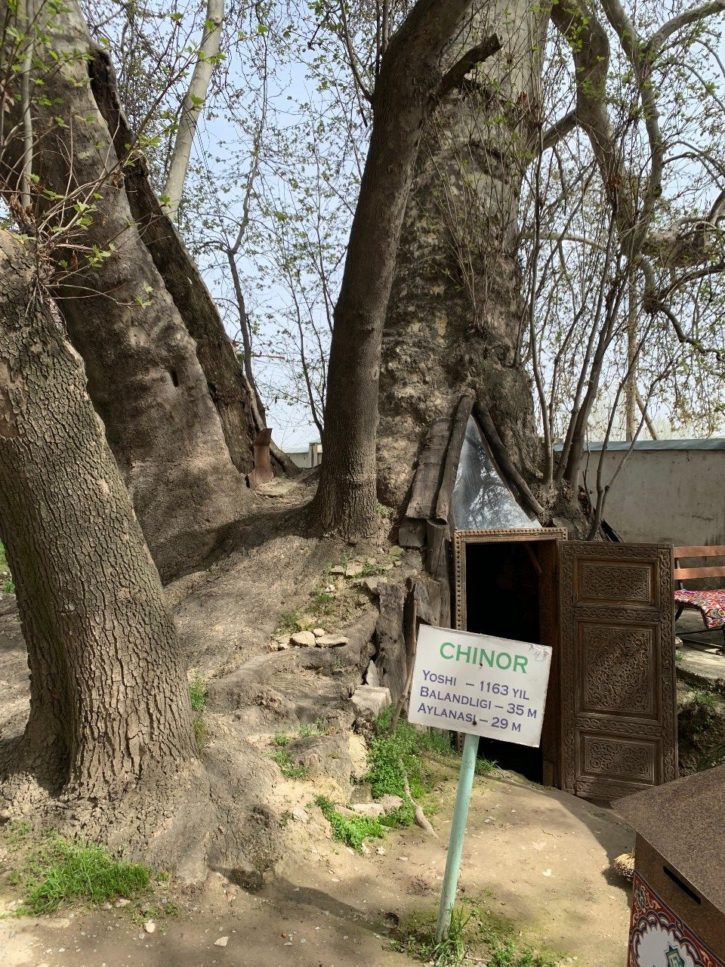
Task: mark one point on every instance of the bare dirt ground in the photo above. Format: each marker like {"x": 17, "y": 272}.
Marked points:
{"x": 290, "y": 895}
{"x": 538, "y": 857}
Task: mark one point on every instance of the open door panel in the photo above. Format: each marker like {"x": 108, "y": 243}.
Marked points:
{"x": 617, "y": 668}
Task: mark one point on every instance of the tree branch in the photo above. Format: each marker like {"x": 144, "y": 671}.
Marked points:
{"x": 454, "y": 77}
{"x": 657, "y": 40}
{"x": 560, "y": 129}
{"x": 192, "y": 105}
{"x": 504, "y": 461}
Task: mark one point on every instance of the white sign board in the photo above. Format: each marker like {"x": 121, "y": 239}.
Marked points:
{"x": 480, "y": 684}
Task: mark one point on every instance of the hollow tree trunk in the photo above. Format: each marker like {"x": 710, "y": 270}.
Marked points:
{"x": 109, "y": 704}
{"x": 456, "y": 310}
{"x": 406, "y": 93}
{"x": 144, "y": 376}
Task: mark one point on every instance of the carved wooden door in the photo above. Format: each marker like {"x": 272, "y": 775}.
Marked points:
{"x": 617, "y": 668}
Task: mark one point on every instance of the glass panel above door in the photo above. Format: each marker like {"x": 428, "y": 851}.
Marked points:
{"x": 481, "y": 500}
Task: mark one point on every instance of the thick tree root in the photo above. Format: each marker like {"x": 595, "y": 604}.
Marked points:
{"x": 210, "y": 815}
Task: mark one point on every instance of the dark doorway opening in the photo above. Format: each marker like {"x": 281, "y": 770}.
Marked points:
{"x": 503, "y": 599}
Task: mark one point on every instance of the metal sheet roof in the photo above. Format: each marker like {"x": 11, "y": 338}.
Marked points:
{"x": 712, "y": 443}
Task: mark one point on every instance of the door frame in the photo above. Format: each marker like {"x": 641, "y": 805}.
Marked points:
{"x": 548, "y": 620}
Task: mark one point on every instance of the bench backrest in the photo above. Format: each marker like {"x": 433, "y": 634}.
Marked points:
{"x": 702, "y": 552}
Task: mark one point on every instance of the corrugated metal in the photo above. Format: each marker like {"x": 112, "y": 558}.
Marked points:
{"x": 713, "y": 443}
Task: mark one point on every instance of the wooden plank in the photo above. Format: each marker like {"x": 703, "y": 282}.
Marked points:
{"x": 707, "y": 571}
{"x": 453, "y": 455}
{"x": 436, "y": 536}
{"x": 411, "y": 533}
{"x": 426, "y": 482}
{"x": 710, "y": 550}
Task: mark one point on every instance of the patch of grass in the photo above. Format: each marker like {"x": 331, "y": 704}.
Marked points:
{"x": 155, "y": 912}
{"x": 17, "y": 832}
{"x": 485, "y": 767}
{"x": 6, "y": 578}
{"x": 288, "y": 768}
{"x": 198, "y": 693}
{"x": 200, "y": 732}
{"x": 705, "y": 700}
{"x": 289, "y": 622}
{"x": 281, "y": 739}
{"x": 321, "y": 601}
{"x": 58, "y": 872}
{"x": 472, "y": 928}
{"x": 419, "y": 941}
{"x": 391, "y": 754}
{"x": 351, "y": 830}
{"x": 371, "y": 568}
{"x": 385, "y": 512}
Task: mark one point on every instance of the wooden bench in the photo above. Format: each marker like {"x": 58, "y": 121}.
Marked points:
{"x": 709, "y": 602}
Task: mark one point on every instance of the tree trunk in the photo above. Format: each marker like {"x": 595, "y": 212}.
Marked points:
{"x": 192, "y": 105}
{"x": 406, "y": 93}
{"x": 143, "y": 373}
{"x": 109, "y": 701}
{"x": 232, "y": 394}
{"x": 456, "y": 311}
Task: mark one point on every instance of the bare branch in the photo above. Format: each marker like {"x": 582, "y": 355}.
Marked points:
{"x": 352, "y": 56}
{"x": 454, "y": 77}
{"x": 559, "y": 130}
{"x": 657, "y": 40}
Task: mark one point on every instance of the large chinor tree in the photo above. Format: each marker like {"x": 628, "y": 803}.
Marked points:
{"x": 571, "y": 139}
{"x": 413, "y": 79}
{"x": 453, "y": 322}
{"x": 481, "y": 178}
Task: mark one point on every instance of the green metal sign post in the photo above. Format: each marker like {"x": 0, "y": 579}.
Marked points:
{"x": 458, "y": 829}
{"x": 478, "y": 685}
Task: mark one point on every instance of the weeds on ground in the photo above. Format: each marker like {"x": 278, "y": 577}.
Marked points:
{"x": 701, "y": 728}
{"x": 57, "y": 872}
{"x": 198, "y": 694}
{"x": 335, "y": 600}
{"x": 154, "y": 912}
{"x": 485, "y": 767}
{"x": 705, "y": 699}
{"x": 289, "y": 622}
{"x": 393, "y": 756}
{"x": 288, "y": 768}
{"x": 472, "y": 929}
{"x": 6, "y": 578}
{"x": 350, "y": 830}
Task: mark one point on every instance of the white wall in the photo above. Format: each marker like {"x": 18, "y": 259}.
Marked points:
{"x": 665, "y": 496}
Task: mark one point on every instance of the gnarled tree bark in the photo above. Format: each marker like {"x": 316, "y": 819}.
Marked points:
{"x": 407, "y": 91}
{"x": 456, "y": 313}
{"x": 109, "y": 701}
{"x": 144, "y": 376}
